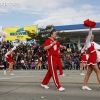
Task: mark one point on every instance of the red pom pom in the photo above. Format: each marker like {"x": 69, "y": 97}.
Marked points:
{"x": 89, "y": 23}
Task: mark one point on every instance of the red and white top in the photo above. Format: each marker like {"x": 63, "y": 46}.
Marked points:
{"x": 83, "y": 57}
{"x": 92, "y": 60}
{"x": 54, "y": 50}
{"x": 9, "y": 56}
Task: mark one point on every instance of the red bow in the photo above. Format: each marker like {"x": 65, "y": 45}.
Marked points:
{"x": 89, "y": 23}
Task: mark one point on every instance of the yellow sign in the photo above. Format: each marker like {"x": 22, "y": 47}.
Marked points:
{"x": 19, "y": 32}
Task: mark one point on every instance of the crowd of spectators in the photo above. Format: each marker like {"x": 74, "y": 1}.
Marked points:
{"x": 32, "y": 56}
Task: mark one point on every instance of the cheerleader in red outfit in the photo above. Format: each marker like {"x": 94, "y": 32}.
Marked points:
{"x": 83, "y": 61}
{"x": 9, "y": 59}
{"x": 92, "y": 60}
{"x": 59, "y": 63}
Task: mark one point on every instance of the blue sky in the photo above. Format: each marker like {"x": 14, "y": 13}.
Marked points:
{"x": 47, "y": 12}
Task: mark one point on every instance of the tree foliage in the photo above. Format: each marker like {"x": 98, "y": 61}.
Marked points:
{"x": 32, "y": 35}
{"x": 43, "y": 34}
{"x": 63, "y": 37}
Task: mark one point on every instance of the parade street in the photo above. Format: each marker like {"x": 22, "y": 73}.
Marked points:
{"x": 26, "y": 85}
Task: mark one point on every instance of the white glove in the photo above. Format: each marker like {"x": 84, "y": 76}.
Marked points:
{"x": 14, "y": 48}
{"x": 6, "y": 56}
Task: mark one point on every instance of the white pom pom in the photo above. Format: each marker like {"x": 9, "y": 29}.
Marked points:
{"x": 3, "y": 34}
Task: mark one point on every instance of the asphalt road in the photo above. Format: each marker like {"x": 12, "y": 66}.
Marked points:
{"x": 25, "y": 85}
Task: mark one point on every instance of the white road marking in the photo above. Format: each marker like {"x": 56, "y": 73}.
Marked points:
{"x": 12, "y": 77}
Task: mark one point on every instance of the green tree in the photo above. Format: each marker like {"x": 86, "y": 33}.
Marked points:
{"x": 43, "y": 34}
{"x": 32, "y": 35}
{"x": 63, "y": 37}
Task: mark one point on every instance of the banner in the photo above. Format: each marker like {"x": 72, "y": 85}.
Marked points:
{"x": 19, "y": 32}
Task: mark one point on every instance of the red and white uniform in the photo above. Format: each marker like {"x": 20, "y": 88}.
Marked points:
{"x": 92, "y": 60}
{"x": 53, "y": 55}
{"x": 93, "y": 55}
{"x": 83, "y": 57}
{"x": 9, "y": 56}
{"x": 59, "y": 63}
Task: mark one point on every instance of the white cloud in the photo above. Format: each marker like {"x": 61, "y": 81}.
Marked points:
{"x": 66, "y": 16}
{"x": 33, "y": 5}
{"x": 54, "y": 12}
{"x": 87, "y": 6}
{"x": 3, "y": 10}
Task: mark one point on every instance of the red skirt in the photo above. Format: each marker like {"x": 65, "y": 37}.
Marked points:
{"x": 83, "y": 59}
{"x": 9, "y": 60}
{"x": 92, "y": 60}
